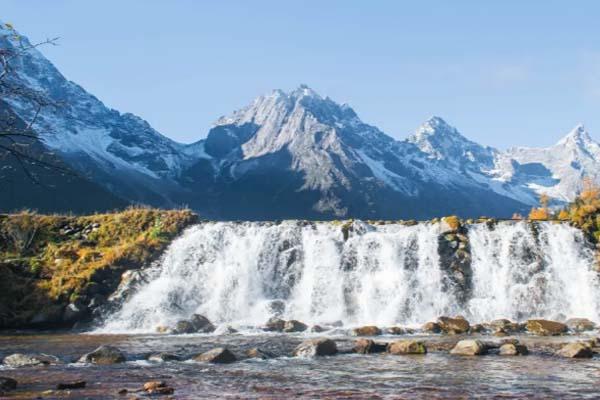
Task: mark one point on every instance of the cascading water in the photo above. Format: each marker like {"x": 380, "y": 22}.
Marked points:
{"x": 244, "y": 273}
{"x": 519, "y": 273}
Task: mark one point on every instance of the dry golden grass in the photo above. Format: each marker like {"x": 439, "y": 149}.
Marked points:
{"x": 41, "y": 264}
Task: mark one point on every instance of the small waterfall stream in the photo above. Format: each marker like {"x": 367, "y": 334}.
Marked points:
{"x": 245, "y": 273}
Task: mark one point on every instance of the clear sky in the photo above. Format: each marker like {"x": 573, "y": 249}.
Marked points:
{"x": 504, "y": 73}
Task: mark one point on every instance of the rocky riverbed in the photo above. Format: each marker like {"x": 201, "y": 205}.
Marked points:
{"x": 272, "y": 365}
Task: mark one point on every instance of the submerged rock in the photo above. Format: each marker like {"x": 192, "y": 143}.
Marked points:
{"x": 71, "y": 385}
{"x": 407, "y": 347}
{"x": 431, "y": 327}
{"x": 7, "y": 384}
{"x": 469, "y": 348}
{"x": 163, "y": 357}
{"x": 316, "y": 347}
{"x": 104, "y": 355}
{"x": 544, "y": 327}
{"x": 259, "y": 353}
{"x": 370, "y": 330}
{"x": 454, "y": 326}
{"x": 18, "y": 360}
{"x": 274, "y": 324}
{"x": 317, "y": 329}
{"x": 157, "y": 388}
{"x": 368, "y": 346}
{"x": 294, "y": 326}
{"x": 513, "y": 349}
{"x": 580, "y": 324}
{"x": 220, "y": 355}
{"x": 576, "y": 350}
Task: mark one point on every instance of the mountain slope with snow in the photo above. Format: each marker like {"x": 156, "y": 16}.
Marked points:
{"x": 294, "y": 155}
{"x": 121, "y": 151}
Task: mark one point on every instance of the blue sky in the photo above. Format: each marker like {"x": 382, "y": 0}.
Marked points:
{"x": 508, "y": 73}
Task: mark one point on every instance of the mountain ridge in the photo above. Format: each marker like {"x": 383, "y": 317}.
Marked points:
{"x": 298, "y": 154}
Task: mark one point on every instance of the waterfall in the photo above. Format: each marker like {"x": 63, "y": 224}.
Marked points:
{"x": 519, "y": 273}
{"x": 243, "y": 273}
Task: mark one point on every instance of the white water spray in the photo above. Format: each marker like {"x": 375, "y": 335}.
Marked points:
{"x": 244, "y": 273}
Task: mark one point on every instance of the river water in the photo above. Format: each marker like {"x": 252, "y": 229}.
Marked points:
{"x": 436, "y": 375}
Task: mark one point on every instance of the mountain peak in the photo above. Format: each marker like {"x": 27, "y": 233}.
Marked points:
{"x": 577, "y": 136}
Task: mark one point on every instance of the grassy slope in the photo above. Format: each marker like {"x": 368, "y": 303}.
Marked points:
{"x": 48, "y": 261}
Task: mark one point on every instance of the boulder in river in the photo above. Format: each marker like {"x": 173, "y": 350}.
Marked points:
{"x": 431, "y": 327}
{"x": 7, "y": 384}
{"x": 196, "y": 324}
{"x": 575, "y": 350}
{"x": 18, "y": 360}
{"x": 255, "y": 352}
{"x": 316, "y": 347}
{"x": 407, "y": 347}
{"x": 369, "y": 330}
{"x": 104, "y": 355}
{"x": 580, "y": 324}
{"x": 513, "y": 349}
{"x": 469, "y": 348}
{"x": 294, "y": 326}
{"x": 274, "y": 324}
{"x": 454, "y": 326}
{"x": 543, "y": 327}
{"x": 368, "y": 346}
{"x": 220, "y": 355}
{"x": 317, "y": 329}
{"x": 396, "y": 330}
{"x": 157, "y": 388}
{"x": 162, "y": 357}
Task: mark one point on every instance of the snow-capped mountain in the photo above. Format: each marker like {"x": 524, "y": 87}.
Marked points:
{"x": 558, "y": 170}
{"x": 298, "y": 154}
{"x": 121, "y": 151}
{"x": 293, "y": 155}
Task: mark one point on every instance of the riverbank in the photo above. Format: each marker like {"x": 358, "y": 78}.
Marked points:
{"x": 55, "y": 270}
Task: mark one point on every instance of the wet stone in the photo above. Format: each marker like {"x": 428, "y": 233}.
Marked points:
{"x": 469, "y": 348}
{"x": 18, "y": 360}
{"x": 220, "y": 355}
{"x": 407, "y": 347}
{"x": 576, "y": 350}
{"x": 7, "y": 384}
{"x": 316, "y": 347}
{"x": 544, "y": 327}
{"x": 163, "y": 357}
{"x": 104, "y": 355}
{"x": 71, "y": 385}
{"x": 259, "y": 353}
{"x": 368, "y": 346}
{"x": 512, "y": 349}
{"x": 369, "y": 330}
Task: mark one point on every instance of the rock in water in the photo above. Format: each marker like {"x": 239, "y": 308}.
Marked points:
{"x": 512, "y": 349}
{"x": 220, "y": 355}
{"x": 18, "y": 360}
{"x": 454, "y": 326}
{"x": 368, "y": 346}
{"x": 407, "y": 347}
{"x": 274, "y": 325}
{"x": 294, "y": 326}
{"x": 7, "y": 384}
{"x": 157, "y": 388}
{"x": 259, "y": 353}
{"x": 544, "y": 327}
{"x": 469, "y": 348}
{"x": 104, "y": 355}
{"x": 369, "y": 330}
{"x": 163, "y": 357}
{"x": 431, "y": 327}
{"x": 71, "y": 385}
{"x": 196, "y": 324}
{"x": 316, "y": 347}
{"x": 575, "y": 350}
{"x": 580, "y": 324}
